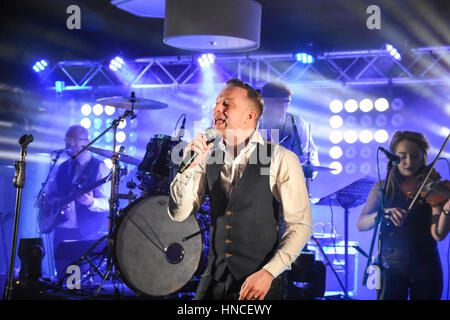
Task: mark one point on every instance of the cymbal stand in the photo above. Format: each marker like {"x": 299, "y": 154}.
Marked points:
{"x": 115, "y": 176}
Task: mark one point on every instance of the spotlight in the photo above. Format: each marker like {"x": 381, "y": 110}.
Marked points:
{"x": 381, "y": 120}
{"x": 381, "y": 104}
{"x": 304, "y": 58}
{"x": 97, "y": 109}
{"x": 133, "y": 137}
{"x": 351, "y": 105}
{"x": 120, "y": 136}
{"x": 366, "y": 105}
{"x": 85, "y": 122}
{"x": 206, "y": 59}
{"x": 109, "y": 110}
{"x": 86, "y": 109}
{"x": 350, "y": 136}
{"x": 350, "y": 152}
{"x": 337, "y": 166}
{"x": 122, "y": 124}
{"x": 97, "y": 123}
{"x": 336, "y": 121}
{"x": 336, "y": 137}
{"x": 366, "y": 121}
{"x": 40, "y": 65}
{"x": 335, "y": 152}
{"x": 365, "y": 136}
{"x": 336, "y": 106}
{"x": 397, "y": 120}
{"x": 393, "y": 52}
{"x": 381, "y": 136}
{"x": 116, "y": 63}
{"x": 365, "y": 168}
{"x": 350, "y": 168}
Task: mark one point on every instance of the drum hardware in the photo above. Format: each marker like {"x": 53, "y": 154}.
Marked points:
{"x": 121, "y": 155}
{"x": 154, "y": 255}
{"x": 137, "y": 103}
{"x": 125, "y": 103}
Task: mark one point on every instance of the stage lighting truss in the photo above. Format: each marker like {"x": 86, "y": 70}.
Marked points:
{"x": 422, "y": 66}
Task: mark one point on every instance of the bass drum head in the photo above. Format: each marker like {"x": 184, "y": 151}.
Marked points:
{"x": 149, "y": 250}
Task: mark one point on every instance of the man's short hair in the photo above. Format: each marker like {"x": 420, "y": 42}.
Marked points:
{"x": 276, "y": 90}
{"x": 253, "y": 94}
{"x": 78, "y": 130}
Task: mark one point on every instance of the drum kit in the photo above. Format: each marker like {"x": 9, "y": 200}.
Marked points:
{"x": 153, "y": 255}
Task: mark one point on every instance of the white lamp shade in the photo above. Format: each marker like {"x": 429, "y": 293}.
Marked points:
{"x": 213, "y": 25}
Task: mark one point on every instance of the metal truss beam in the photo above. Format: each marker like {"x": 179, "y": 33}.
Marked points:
{"x": 425, "y": 66}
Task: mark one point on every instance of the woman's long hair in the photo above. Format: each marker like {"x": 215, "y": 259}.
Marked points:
{"x": 395, "y": 178}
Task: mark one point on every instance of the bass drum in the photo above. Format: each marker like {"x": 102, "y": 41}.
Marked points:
{"x": 154, "y": 255}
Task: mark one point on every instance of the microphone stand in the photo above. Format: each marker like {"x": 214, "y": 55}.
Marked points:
{"x": 19, "y": 183}
{"x": 378, "y": 261}
{"x": 52, "y": 166}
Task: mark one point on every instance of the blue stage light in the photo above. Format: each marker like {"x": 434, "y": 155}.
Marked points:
{"x": 40, "y": 65}
{"x": 304, "y": 58}
{"x": 206, "y": 59}
{"x": 393, "y": 52}
{"x": 116, "y": 63}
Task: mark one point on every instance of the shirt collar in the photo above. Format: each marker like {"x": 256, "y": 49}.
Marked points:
{"x": 254, "y": 138}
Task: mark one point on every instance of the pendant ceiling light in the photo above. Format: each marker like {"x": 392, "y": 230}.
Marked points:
{"x": 212, "y": 25}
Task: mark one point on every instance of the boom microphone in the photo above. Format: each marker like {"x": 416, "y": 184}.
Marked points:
{"x": 395, "y": 159}
{"x": 210, "y": 134}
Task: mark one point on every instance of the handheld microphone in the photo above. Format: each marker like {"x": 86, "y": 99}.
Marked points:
{"x": 395, "y": 159}
{"x": 69, "y": 149}
{"x": 210, "y": 134}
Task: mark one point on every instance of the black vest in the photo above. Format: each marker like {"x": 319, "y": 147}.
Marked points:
{"x": 89, "y": 222}
{"x": 244, "y": 228}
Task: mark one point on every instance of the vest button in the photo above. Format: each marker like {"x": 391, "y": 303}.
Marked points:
{"x": 228, "y": 255}
{"x": 228, "y": 241}
{"x": 229, "y": 213}
{"x": 228, "y": 227}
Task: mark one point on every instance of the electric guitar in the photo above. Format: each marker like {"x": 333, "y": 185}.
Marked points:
{"x": 52, "y": 209}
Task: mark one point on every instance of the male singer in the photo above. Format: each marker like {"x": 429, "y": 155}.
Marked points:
{"x": 247, "y": 179}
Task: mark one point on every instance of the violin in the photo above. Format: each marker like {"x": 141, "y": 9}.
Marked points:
{"x": 434, "y": 191}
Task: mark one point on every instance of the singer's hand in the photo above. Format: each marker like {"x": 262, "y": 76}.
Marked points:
{"x": 396, "y": 215}
{"x": 200, "y": 146}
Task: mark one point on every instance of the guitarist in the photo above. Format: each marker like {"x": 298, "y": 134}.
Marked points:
{"x": 85, "y": 218}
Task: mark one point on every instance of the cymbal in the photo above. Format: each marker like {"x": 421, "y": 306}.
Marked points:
{"x": 122, "y": 156}
{"x": 139, "y": 103}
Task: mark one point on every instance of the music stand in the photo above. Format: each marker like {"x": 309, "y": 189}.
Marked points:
{"x": 351, "y": 196}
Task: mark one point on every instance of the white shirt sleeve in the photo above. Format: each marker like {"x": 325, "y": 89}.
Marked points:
{"x": 187, "y": 192}
{"x": 288, "y": 186}
{"x": 101, "y": 193}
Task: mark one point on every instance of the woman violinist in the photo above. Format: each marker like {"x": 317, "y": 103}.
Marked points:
{"x": 411, "y": 262}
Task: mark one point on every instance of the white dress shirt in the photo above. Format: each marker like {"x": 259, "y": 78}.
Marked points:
{"x": 287, "y": 184}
